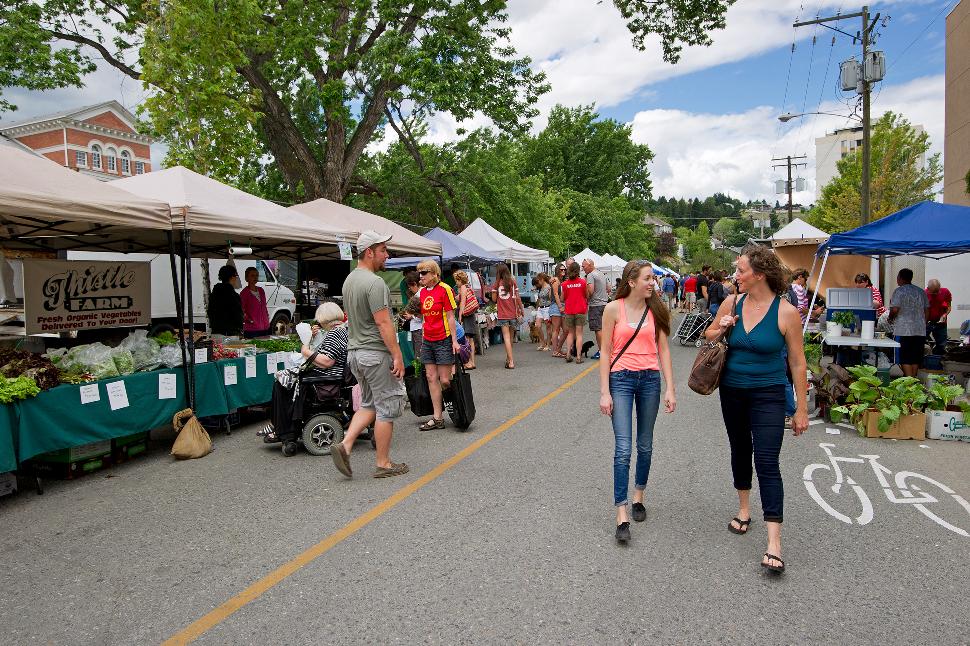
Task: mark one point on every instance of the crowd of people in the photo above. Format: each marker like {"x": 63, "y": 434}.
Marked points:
{"x": 760, "y": 307}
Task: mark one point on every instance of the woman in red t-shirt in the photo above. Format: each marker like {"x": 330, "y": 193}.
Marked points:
{"x": 440, "y": 344}
{"x": 505, "y": 293}
{"x": 576, "y": 300}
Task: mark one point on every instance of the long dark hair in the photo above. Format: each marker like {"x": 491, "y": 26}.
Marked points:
{"x": 661, "y": 315}
{"x": 503, "y": 276}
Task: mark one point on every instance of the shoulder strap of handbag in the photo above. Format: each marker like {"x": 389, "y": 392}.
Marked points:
{"x": 646, "y": 308}
{"x": 734, "y": 312}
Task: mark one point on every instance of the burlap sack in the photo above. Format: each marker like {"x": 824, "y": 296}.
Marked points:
{"x": 193, "y": 441}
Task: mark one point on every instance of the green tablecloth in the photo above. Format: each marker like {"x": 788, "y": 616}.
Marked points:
{"x": 248, "y": 391}
{"x": 8, "y": 422}
{"x": 407, "y": 351}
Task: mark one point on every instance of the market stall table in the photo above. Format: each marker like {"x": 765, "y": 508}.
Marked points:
{"x": 855, "y": 341}
{"x": 8, "y": 456}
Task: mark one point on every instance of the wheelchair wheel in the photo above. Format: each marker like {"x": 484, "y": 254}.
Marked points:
{"x": 320, "y": 432}
{"x": 289, "y": 449}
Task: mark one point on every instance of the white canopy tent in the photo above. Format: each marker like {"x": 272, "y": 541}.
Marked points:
{"x": 589, "y": 254}
{"x": 339, "y": 216}
{"x": 217, "y": 215}
{"x": 492, "y": 240}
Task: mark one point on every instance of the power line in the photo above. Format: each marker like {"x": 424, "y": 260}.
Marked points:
{"x": 948, "y": 5}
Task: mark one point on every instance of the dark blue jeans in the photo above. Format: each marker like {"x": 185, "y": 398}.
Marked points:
{"x": 937, "y": 331}
{"x": 642, "y": 388}
{"x": 755, "y": 422}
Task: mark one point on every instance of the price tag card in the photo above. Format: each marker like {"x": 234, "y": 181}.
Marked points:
{"x": 272, "y": 362}
{"x": 346, "y": 253}
{"x": 201, "y": 355}
{"x": 90, "y": 393}
{"x": 250, "y": 367}
{"x": 117, "y": 395}
{"x": 229, "y": 375}
{"x": 166, "y": 386}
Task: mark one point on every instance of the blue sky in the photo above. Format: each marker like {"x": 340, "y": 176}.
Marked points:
{"x": 711, "y": 120}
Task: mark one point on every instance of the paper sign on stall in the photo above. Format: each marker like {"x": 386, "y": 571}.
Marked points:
{"x": 117, "y": 395}
{"x": 166, "y": 386}
{"x": 250, "y": 367}
{"x": 346, "y": 253}
{"x": 272, "y": 362}
{"x": 90, "y": 394}
{"x": 229, "y": 375}
{"x": 201, "y": 355}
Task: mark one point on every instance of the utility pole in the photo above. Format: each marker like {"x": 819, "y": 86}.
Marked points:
{"x": 866, "y": 89}
{"x": 788, "y": 163}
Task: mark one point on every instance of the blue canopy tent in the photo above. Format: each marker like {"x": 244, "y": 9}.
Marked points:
{"x": 453, "y": 249}
{"x": 929, "y": 229}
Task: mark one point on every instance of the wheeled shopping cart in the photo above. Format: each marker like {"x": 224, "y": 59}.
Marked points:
{"x": 691, "y": 329}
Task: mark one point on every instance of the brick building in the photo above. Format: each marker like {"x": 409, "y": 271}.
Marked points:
{"x": 98, "y": 140}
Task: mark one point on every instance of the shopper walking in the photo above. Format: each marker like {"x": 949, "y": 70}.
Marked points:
{"x": 598, "y": 298}
{"x": 543, "y": 304}
{"x": 467, "y": 307}
{"x": 908, "y": 310}
{"x": 690, "y": 292}
{"x": 556, "y": 308}
{"x": 575, "y": 295}
{"x": 255, "y": 313}
{"x": 412, "y": 311}
{"x": 753, "y": 387}
{"x": 636, "y": 327}
{"x": 440, "y": 344}
{"x": 374, "y": 357}
{"x": 716, "y": 292}
{"x": 669, "y": 285}
{"x": 509, "y": 308}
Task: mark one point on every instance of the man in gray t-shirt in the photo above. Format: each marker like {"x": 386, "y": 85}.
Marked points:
{"x": 907, "y": 313}
{"x": 598, "y": 298}
{"x": 373, "y": 356}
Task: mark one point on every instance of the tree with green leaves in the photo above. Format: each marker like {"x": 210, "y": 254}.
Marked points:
{"x": 900, "y": 178}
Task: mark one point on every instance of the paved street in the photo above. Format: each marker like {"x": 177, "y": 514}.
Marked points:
{"x": 512, "y": 544}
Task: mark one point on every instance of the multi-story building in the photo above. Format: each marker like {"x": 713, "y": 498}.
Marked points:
{"x": 833, "y": 147}
{"x": 658, "y": 225}
{"x": 98, "y": 140}
{"x": 956, "y": 131}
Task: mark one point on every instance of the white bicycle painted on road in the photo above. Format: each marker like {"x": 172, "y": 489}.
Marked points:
{"x": 909, "y": 484}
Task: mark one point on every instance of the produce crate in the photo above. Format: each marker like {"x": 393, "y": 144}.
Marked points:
{"x": 69, "y": 470}
{"x": 127, "y": 447}
{"x": 8, "y": 484}
{"x": 77, "y": 453}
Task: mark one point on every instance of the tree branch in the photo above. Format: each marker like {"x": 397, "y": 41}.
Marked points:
{"x": 108, "y": 56}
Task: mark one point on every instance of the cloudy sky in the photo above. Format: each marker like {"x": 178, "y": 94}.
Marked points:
{"x": 711, "y": 120}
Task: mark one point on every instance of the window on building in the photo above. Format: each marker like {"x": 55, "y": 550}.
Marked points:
{"x": 81, "y": 159}
{"x": 139, "y": 168}
{"x": 125, "y": 162}
{"x": 112, "y": 161}
{"x": 96, "y": 157}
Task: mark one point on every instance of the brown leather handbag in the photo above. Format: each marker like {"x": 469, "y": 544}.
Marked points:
{"x": 705, "y": 375}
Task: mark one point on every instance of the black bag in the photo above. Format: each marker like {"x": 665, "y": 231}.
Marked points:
{"x": 462, "y": 411}
{"x": 418, "y": 394}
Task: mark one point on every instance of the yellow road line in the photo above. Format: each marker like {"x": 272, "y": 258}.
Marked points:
{"x": 257, "y": 589}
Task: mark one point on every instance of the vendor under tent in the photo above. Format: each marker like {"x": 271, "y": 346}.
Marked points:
{"x": 928, "y": 229}
{"x": 218, "y": 214}
{"x": 795, "y": 245}
{"x": 497, "y": 243}
{"x": 454, "y": 249}
{"x": 332, "y": 215}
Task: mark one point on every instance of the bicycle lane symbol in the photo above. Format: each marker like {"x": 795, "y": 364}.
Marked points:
{"x": 911, "y": 488}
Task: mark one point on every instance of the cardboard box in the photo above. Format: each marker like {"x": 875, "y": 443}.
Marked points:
{"x": 909, "y": 427}
{"x": 947, "y": 425}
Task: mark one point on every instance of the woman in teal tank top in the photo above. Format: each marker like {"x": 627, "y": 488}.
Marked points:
{"x": 753, "y": 387}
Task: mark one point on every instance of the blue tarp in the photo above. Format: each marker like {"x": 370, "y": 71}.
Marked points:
{"x": 924, "y": 229}
{"x": 453, "y": 249}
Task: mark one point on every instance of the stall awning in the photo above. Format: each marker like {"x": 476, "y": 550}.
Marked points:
{"x": 353, "y": 221}
{"x": 453, "y": 249}
{"x": 797, "y": 232}
{"x": 47, "y": 207}
{"x": 494, "y": 241}
{"x": 218, "y": 214}
{"x": 924, "y": 229}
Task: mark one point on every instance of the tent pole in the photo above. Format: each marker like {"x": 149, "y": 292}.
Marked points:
{"x": 187, "y": 249}
{"x": 299, "y": 283}
{"x": 179, "y": 311}
{"x": 811, "y": 305}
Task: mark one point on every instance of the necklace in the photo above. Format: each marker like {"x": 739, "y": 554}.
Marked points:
{"x": 757, "y": 306}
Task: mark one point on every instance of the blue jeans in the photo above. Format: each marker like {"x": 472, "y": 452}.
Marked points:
{"x": 629, "y": 387}
{"x": 938, "y": 333}
{"x": 755, "y": 422}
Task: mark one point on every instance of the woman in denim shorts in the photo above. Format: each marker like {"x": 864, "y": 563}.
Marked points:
{"x": 555, "y": 311}
{"x": 440, "y": 344}
{"x": 509, "y": 308}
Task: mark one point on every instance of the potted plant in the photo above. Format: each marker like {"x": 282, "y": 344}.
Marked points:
{"x": 843, "y": 320}
{"x": 893, "y": 411}
{"x": 944, "y": 417}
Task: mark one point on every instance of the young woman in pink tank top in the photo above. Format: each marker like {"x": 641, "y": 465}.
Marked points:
{"x": 632, "y": 377}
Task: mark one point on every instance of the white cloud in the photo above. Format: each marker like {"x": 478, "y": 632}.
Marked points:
{"x": 697, "y": 154}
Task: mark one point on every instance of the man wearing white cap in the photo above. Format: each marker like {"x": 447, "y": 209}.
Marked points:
{"x": 373, "y": 356}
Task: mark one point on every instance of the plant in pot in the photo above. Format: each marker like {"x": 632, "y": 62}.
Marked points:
{"x": 864, "y": 392}
{"x": 844, "y": 320}
{"x": 903, "y": 398}
{"x": 942, "y": 394}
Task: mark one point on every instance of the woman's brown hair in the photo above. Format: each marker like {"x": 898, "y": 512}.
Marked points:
{"x": 631, "y": 273}
{"x": 504, "y": 277}
{"x": 572, "y": 271}
{"x": 763, "y": 261}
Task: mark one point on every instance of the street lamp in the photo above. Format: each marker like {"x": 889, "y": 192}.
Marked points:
{"x": 788, "y": 116}
{"x": 866, "y": 152}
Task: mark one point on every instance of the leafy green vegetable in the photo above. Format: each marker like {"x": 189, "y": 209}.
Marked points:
{"x": 17, "y": 388}
{"x": 166, "y": 338}
{"x": 292, "y": 344}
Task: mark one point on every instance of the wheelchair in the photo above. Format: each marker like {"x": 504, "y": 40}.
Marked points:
{"x": 326, "y": 413}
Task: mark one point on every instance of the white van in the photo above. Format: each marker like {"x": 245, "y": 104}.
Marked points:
{"x": 280, "y": 300}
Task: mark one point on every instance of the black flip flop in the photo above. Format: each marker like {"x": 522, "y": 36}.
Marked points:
{"x": 774, "y": 568}
{"x": 743, "y": 529}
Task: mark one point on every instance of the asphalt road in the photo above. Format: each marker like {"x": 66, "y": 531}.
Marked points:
{"x": 512, "y": 544}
